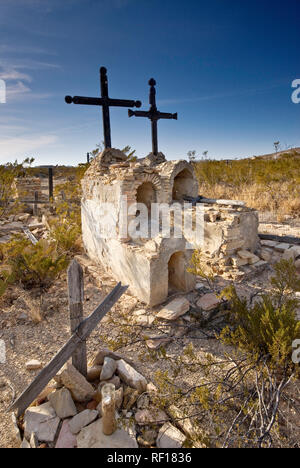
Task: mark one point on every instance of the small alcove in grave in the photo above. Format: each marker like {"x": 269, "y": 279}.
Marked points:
{"x": 183, "y": 185}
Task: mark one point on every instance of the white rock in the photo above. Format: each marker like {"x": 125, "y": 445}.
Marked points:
{"x": 139, "y": 312}
{"x": 289, "y": 255}
{"x": 79, "y": 387}
{"x": 82, "y": 420}
{"x": 33, "y": 365}
{"x": 245, "y": 254}
{"x": 130, "y": 376}
{"x": 108, "y": 369}
{"x": 158, "y": 343}
{"x": 174, "y": 309}
{"x": 208, "y": 302}
{"x": 170, "y": 437}
{"x": 63, "y": 403}
{"x": 296, "y": 250}
{"x": 144, "y": 320}
{"x": 42, "y": 421}
{"x": 282, "y": 247}
{"x": 268, "y": 243}
{"x": 150, "y": 416}
{"x": 93, "y": 437}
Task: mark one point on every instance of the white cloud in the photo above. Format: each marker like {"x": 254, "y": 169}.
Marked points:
{"x": 12, "y": 74}
{"x": 16, "y": 80}
{"x": 19, "y": 91}
{"x": 21, "y": 147}
{"x": 22, "y": 49}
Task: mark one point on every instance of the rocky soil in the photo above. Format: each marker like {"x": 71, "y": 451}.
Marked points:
{"x": 35, "y": 328}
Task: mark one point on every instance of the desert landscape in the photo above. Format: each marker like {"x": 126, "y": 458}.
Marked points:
{"x": 172, "y": 346}
{"x": 149, "y": 227}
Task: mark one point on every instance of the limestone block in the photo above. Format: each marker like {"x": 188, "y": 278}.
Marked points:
{"x": 63, "y": 404}
{"x": 93, "y": 373}
{"x": 66, "y": 440}
{"x": 282, "y": 247}
{"x": 208, "y": 302}
{"x": 79, "y": 387}
{"x": 233, "y": 245}
{"x": 170, "y": 437}
{"x": 289, "y": 255}
{"x": 175, "y": 309}
{"x": 130, "y": 376}
{"x": 33, "y": 365}
{"x": 82, "y": 420}
{"x": 268, "y": 243}
{"x": 93, "y": 437}
{"x": 108, "y": 369}
{"x": 150, "y": 416}
{"x": 42, "y": 421}
{"x": 238, "y": 261}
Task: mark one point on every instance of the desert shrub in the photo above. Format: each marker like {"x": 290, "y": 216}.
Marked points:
{"x": 238, "y": 399}
{"x": 8, "y": 173}
{"x": 66, "y": 225}
{"x": 30, "y": 265}
{"x": 267, "y": 329}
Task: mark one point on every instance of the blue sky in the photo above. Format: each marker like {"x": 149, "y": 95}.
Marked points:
{"x": 226, "y": 67}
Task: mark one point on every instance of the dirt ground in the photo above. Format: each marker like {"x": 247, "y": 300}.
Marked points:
{"x": 26, "y": 340}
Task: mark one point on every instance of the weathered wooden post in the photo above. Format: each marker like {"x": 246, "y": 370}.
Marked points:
{"x": 50, "y": 177}
{"x": 76, "y": 298}
{"x": 35, "y": 206}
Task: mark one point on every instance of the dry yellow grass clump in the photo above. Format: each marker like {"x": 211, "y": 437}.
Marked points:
{"x": 267, "y": 185}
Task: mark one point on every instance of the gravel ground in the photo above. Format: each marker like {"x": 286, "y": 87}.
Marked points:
{"x": 26, "y": 340}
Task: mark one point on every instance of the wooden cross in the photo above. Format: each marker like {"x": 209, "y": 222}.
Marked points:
{"x": 105, "y": 102}
{"x": 153, "y": 114}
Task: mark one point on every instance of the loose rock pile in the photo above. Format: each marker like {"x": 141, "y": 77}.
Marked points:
{"x": 273, "y": 252}
{"x": 15, "y": 224}
{"x": 68, "y": 413}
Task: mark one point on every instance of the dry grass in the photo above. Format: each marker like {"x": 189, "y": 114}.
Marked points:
{"x": 266, "y": 185}
{"x": 278, "y": 199}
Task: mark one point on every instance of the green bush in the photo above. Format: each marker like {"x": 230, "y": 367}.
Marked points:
{"x": 30, "y": 265}
{"x": 267, "y": 329}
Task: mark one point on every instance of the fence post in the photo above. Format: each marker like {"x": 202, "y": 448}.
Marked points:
{"x": 76, "y": 297}
{"x": 50, "y": 176}
{"x": 35, "y": 206}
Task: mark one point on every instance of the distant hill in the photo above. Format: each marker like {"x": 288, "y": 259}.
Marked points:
{"x": 292, "y": 151}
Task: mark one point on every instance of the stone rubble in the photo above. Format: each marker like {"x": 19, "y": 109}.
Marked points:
{"x": 108, "y": 369}
{"x": 130, "y": 376}
{"x": 170, "y": 437}
{"x": 82, "y": 420}
{"x": 33, "y": 365}
{"x": 66, "y": 440}
{"x": 174, "y": 309}
{"x": 93, "y": 437}
{"x": 63, "y": 403}
{"x": 79, "y": 387}
{"x": 208, "y": 302}
{"x": 43, "y": 421}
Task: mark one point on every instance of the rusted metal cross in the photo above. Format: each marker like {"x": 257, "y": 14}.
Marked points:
{"x": 153, "y": 114}
{"x": 105, "y": 102}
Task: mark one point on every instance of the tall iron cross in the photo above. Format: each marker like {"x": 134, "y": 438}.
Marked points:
{"x": 106, "y": 102}
{"x": 153, "y": 114}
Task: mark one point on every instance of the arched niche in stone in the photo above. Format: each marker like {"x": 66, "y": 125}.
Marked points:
{"x": 183, "y": 184}
{"x": 146, "y": 194}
